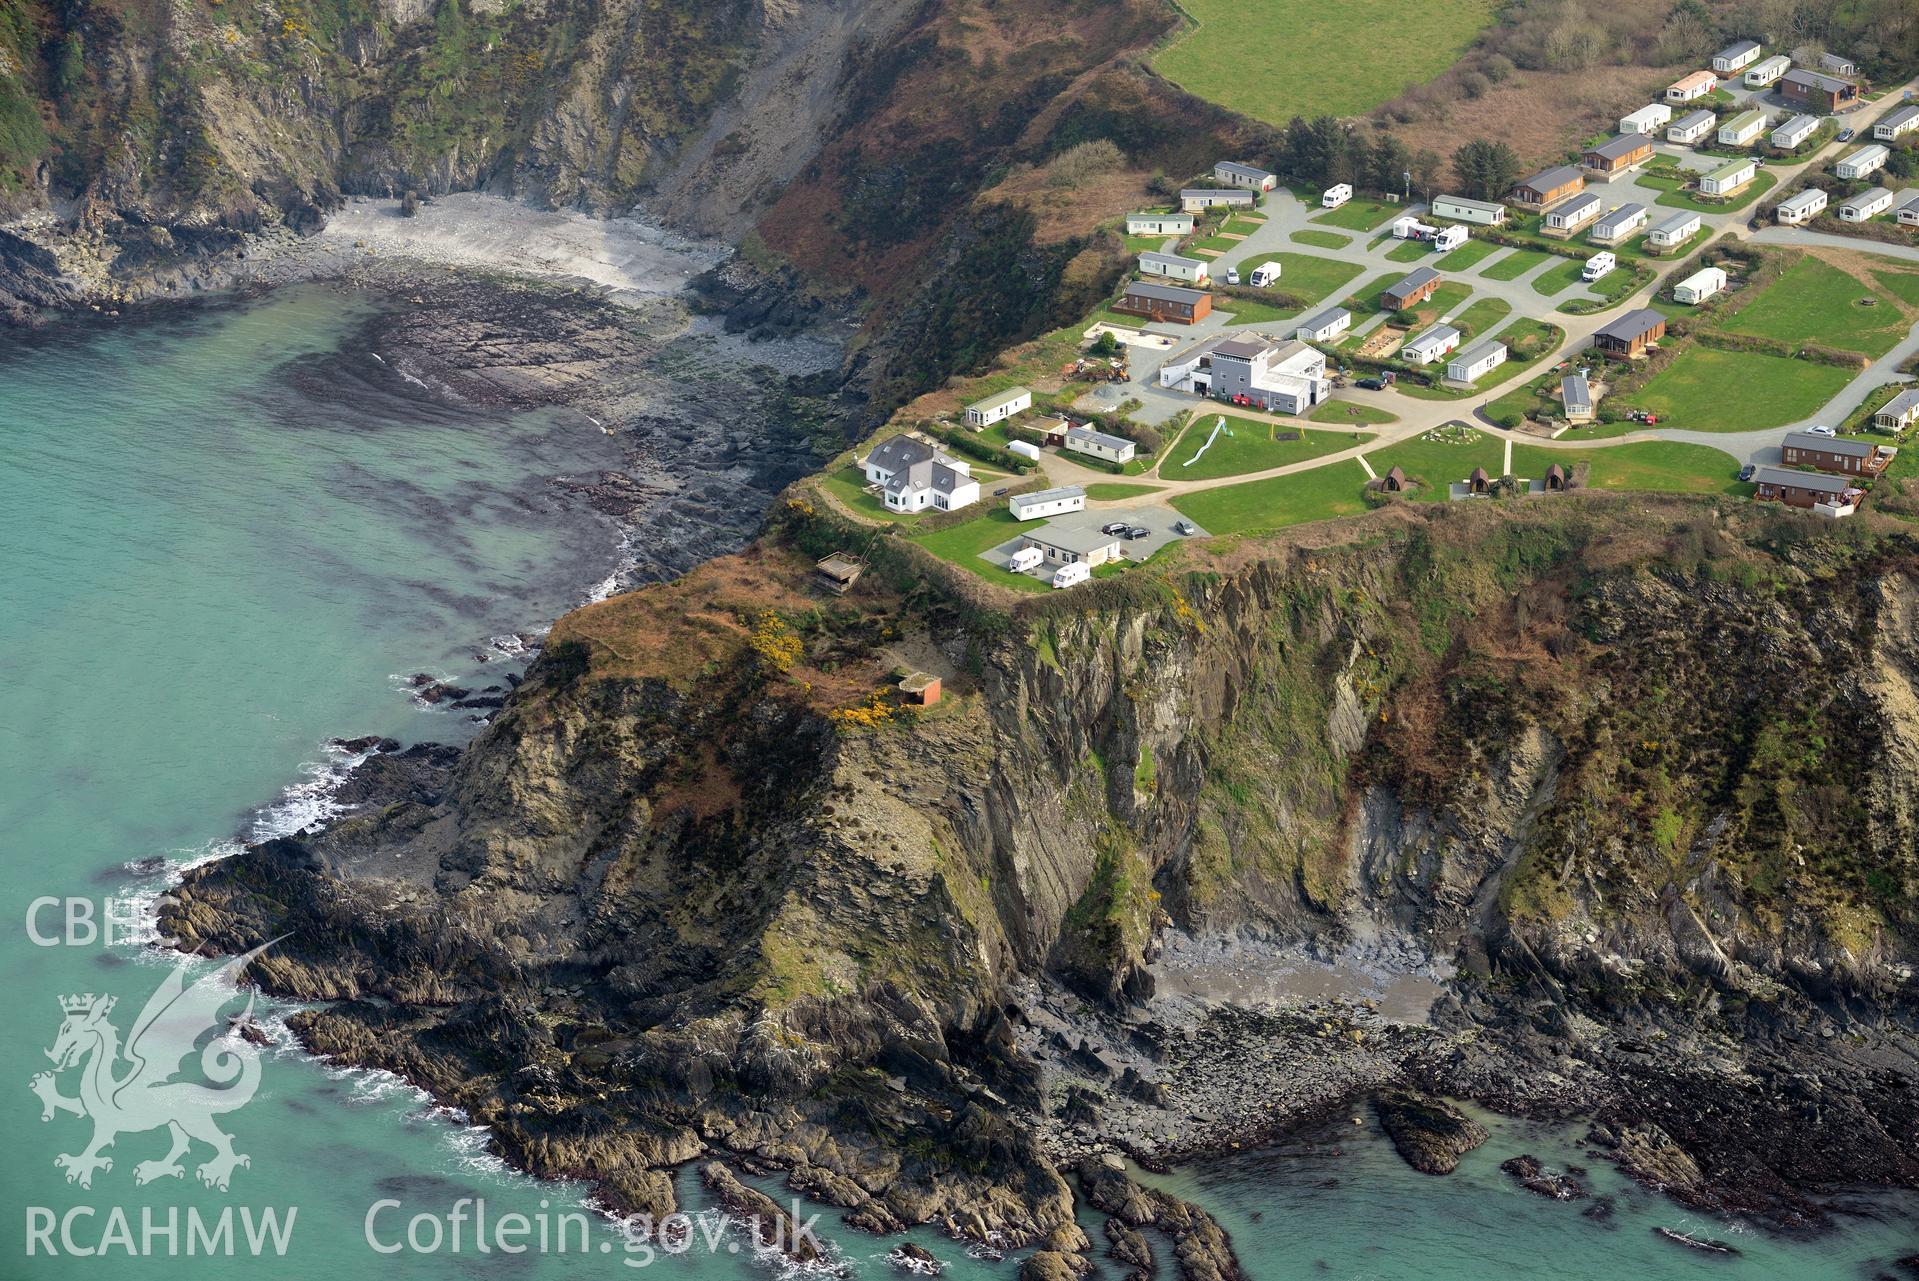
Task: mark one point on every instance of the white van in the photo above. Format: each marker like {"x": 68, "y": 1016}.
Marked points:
{"x": 1024, "y": 559}
{"x": 1267, "y": 273}
{"x": 1071, "y": 575}
{"x": 1598, "y": 265}
{"x": 1336, "y": 195}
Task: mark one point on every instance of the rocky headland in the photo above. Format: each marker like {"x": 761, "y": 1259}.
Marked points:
{"x": 1521, "y": 803}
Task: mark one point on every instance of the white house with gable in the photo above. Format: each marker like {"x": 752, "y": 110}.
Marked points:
{"x": 913, "y": 475}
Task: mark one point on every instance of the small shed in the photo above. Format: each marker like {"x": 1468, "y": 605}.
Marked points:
{"x": 1555, "y": 479}
{"x": 1479, "y": 482}
{"x": 922, "y": 688}
{"x": 1394, "y": 481}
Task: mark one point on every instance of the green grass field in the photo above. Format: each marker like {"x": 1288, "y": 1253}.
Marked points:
{"x": 1558, "y": 278}
{"x": 1246, "y": 445}
{"x": 1267, "y": 58}
{"x": 1762, "y": 182}
{"x": 1278, "y": 501}
{"x": 1410, "y": 251}
{"x": 1515, "y": 264}
{"x": 1307, "y": 275}
{"x": 1112, "y": 491}
{"x": 1709, "y": 390}
{"x": 1898, "y": 278}
{"x": 1444, "y": 299}
{"x": 962, "y": 544}
{"x": 1466, "y": 255}
{"x": 1322, "y": 239}
{"x": 1350, "y": 413}
{"x": 1818, "y": 303}
{"x": 1657, "y": 466}
{"x": 1359, "y": 214}
{"x": 1248, "y": 311}
{"x": 1482, "y": 316}
{"x": 1439, "y": 462}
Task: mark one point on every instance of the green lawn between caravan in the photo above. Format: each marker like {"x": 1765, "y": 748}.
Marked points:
{"x": 1246, "y": 445}
{"x": 1706, "y": 389}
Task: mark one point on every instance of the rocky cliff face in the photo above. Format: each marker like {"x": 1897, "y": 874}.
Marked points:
{"x": 1638, "y": 780}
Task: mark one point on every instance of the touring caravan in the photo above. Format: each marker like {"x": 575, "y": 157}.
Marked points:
{"x": 1072, "y": 575}
{"x": 1267, "y": 273}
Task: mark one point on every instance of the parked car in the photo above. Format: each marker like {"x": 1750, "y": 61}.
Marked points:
{"x": 1185, "y": 528}
{"x": 1845, "y": 135}
{"x": 1139, "y": 531}
{"x": 1113, "y": 527}
{"x": 1232, "y": 275}
{"x": 1001, "y": 490}
{"x": 1753, "y": 223}
{"x": 1371, "y": 384}
{"x": 1745, "y": 473}
{"x": 1821, "y": 431}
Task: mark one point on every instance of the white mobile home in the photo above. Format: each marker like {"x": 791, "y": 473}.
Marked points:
{"x": 1617, "y": 224}
{"x": 1098, "y": 444}
{"x": 1866, "y": 205}
{"x": 1231, "y": 173}
{"x": 1742, "y": 128}
{"x": 997, "y": 409}
{"x": 1648, "y": 119}
{"x": 1906, "y": 212}
{"x": 1736, "y": 56}
{"x": 1691, "y": 87}
{"x": 1866, "y": 160}
{"x": 1728, "y": 178}
{"x": 1431, "y": 345}
{"x": 1760, "y": 74}
{"x": 1336, "y": 195}
{"x": 1676, "y": 230}
{"x": 1699, "y": 286}
{"x": 1047, "y": 502}
{"x": 1801, "y": 208}
{"x": 1482, "y": 213}
{"x": 1194, "y": 199}
{"x": 1794, "y": 132}
{"x": 1899, "y": 413}
{"x": 1481, "y": 358}
{"x": 1174, "y": 267}
{"x": 1575, "y": 213}
{"x": 1324, "y": 326}
{"x": 1896, "y": 124}
{"x": 1691, "y": 127}
{"x": 1159, "y": 224}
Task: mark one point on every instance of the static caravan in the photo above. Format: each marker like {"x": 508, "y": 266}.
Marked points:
{"x": 1233, "y": 174}
{"x": 1194, "y": 199}
{"x": 1482, "y": 213}
{"x": 1674, "y": 231}
{"x": 1336, "y": 195}
{"x": 1597, "y": 266}
{"x": 1742, "y": 128}
{"x": 1691, "y": 127}
{"x": 1906, "y": 212}
{"x": 1794, "y": 132}
{"x": 1728, "y": 178}
{"x": 1866, "y": 205}
{"x": 1736, "y": 56}
{"x": 1617, "y": 224}
{"x": 1041, "y": 503}
{"x": 1895, "y": 125}
{"x": 1324, "y": 326}
{"x": 1867, "y": 160}
{"x": 1159, "y": 224}
{"x": 997, "y": 409}
{"x": 1801, "y": 208}
{"x": 1761, "y": 74}
{"x": 1431, "y": 345}
{"x": 1575, "y": 213}
{"x": 1480, "y": 358}
{"x": 1099, "y": 444}
{"x": 1691, "y": 88}
{"x": 1699, "y": 286}
{"x": 1648, "y": 119}
{"x": 1174, "y": 267}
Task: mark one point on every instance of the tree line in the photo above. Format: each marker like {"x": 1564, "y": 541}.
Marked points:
{"x": 1324, "y": 151}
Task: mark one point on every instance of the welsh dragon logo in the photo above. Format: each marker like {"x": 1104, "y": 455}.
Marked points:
{"x": 130, "y": 1090}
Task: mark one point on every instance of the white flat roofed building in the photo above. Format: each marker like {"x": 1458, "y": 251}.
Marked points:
{"x": 1866, "y": 205}
{"x": 1801, "y": 207}
{"x": 1231, "y": 173}
{"x": 1481, "y": 358}
{"x": 1648, "y": 119}
{"x": 1691, "y": 127}
{"x": 1159, "y": 224}
{"x": 997, "y": 409}
{"x": 1174, "y": 267}
{"x": 1099, "y": 444}
{"x": 1699, "y": 286}
{"x": 1765, "y": 72}
{"x": 1867, "y": 160}
{"x": 1794, "y": 132}
{"x": 1736, "y": 56}
{"x": 1047, "y": 502}
{"x": 1481, "y": 213}
{"x": 1675, "y": 230}
{"x": 1431, "y": 345}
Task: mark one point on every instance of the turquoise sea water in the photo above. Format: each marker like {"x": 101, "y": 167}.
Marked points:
{"x": 223, "y": 539}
